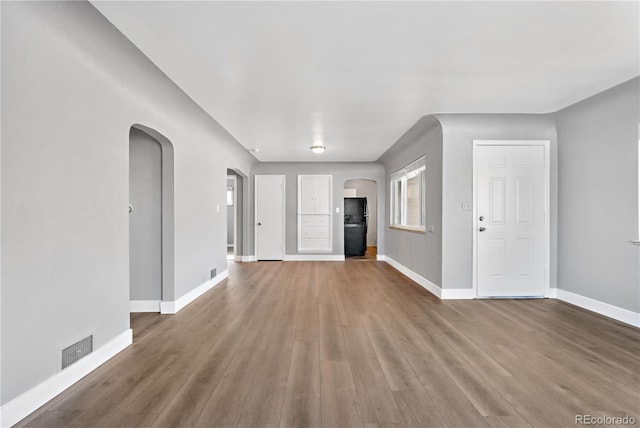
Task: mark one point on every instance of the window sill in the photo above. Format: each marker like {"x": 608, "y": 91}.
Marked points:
{"x": 409, "y": 229}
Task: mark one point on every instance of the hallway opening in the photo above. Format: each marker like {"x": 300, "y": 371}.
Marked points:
{"x": 150, "y": 219}
{"x": 360, "y": 219}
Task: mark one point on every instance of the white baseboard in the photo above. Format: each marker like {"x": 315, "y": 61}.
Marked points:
{"x": 247, "y": 258}
{"x": 175, "y": 306}
{"x": 624, "y": 315}
{"x": 237, "y": 259}
{"x": 23, "y": 405}
{"x": 381, "y": 257}
{"x": 457, "y": 293}
{"x": 144, "y": 305}
{"x": 314, "y": 257}
{"x": 424, "y": 282}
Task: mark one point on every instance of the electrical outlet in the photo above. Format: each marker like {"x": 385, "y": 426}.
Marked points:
{"x": 467, "y": 206}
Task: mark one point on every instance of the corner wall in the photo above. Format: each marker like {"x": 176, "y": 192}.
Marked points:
{"x": 445, "y": 258}
{"x": 418, "y": 252}
{"x": 459, "y": 131}
{"x": 598, "y": 197}
{"x": 72, "y": 87}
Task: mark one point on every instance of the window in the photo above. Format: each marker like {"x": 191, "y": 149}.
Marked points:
{"x": 408, "y": 190}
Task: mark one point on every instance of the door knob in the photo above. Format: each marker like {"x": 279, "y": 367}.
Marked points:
{"x": 259, "y": 224}
{"x": 481, "y": 218}
{"x": 482, "y": 229}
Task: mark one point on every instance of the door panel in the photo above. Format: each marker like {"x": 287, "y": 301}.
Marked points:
{"x": 323, "y": 194}
{"x": 307, "y": 195}
{"x": 269, "y": 217}
{"x": 510, "y": 185}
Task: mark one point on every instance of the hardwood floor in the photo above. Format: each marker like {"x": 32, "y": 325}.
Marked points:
{"x": 350, "y": 344}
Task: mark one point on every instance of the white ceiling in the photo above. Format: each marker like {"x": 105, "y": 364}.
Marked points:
{"x": 355, "y": 76}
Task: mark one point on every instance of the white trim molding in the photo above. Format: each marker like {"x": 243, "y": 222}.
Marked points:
{"x": 457, "y": 294}
{"x": 144, "y": 306}
{"x": 623, "y": 315}
{"x": 246, "y": 259}
{"x": 422, "y": 281}
{"x": 381, "y": 257}
{"x": 20, "y": 407}
{"x": 314, "y": 257}
{"x": 175, "y": 306}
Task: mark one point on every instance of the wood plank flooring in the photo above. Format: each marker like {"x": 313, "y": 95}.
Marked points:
{"x": 351, "y": 344}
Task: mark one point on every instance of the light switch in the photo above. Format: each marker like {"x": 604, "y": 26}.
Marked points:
{"x": 467, "y": 206}
{"x": 337, "y": 209}
{"x": 217, "y": 208}
{"x": 431, "y": 228}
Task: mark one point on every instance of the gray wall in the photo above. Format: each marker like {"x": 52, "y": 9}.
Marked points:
{"x": 459, "y": 131}
{"x": 369, "y": 190}
{"x": 598, "y": 197}
{"x": 341, "y": 172}
{"x": 445, "y": 257}
{"x": 145, "y": 221}
{"x": 72, "y": 86}
{"x": 420, "y": 252}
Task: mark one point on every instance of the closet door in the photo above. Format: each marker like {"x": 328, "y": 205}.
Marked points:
{"x": 314, "y": 213}
{"x": 306, "y": 194}
{"x": 323, "y": 194}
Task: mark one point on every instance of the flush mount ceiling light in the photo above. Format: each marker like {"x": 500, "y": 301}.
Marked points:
{"x": 317, "y": 148}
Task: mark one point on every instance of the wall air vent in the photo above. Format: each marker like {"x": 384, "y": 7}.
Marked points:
{"x": 213, "y": 273}
{"x": 77, "y": 351}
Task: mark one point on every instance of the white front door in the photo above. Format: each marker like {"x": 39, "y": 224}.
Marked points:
{"x": 269, "y": 223}
{"x": 510, "y": 224}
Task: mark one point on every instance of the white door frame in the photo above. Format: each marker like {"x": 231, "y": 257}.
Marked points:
{"x": 547, "y": 223}
{"x": 255, "y": 212}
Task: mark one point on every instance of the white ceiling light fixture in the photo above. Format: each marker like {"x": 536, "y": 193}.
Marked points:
{"x": 317, "y": 149}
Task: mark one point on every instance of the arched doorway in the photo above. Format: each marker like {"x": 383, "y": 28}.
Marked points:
{"x": 361, "y": 219}
{"x": 151, "y": 237}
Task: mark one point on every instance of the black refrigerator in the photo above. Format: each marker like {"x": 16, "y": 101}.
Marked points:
{"x": 356, "y": 218}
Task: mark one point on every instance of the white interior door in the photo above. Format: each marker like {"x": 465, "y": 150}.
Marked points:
{"x": 269, "y": 217}
{"x": 511, "y": 216}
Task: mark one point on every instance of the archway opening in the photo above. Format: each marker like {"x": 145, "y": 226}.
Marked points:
{"x": 360, "y": 219}
{"x": 151, "y": 260}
